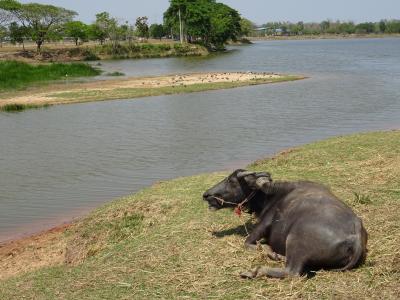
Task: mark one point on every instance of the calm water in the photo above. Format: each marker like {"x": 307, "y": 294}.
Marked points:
{"x": 63, "y": 161}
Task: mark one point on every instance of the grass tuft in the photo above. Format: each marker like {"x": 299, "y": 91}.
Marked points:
{"x": 116, "y": 73}
{"x": 362, "y": 199}
{"x": 17, "y": 107}
{"x": 15, "y": 75}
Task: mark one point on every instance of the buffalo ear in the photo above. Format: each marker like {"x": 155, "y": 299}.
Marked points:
{"x": 244, "y": 174}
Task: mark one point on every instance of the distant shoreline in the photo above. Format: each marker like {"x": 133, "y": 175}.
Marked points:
{"x": 67, "y": 52}
{"x": 323, "y": 37}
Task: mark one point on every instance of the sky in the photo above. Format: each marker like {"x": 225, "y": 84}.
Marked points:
{"x": 258, "y": 11}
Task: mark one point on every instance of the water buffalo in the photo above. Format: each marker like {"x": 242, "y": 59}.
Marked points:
{"x": 301, "y": 220}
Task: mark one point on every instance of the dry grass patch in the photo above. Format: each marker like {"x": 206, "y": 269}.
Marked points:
{"x": 31, "y": 253}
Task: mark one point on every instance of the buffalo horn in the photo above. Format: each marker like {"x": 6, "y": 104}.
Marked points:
{"x": 245, "y": 173}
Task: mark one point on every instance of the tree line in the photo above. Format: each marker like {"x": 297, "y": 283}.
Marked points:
{"x": 42, "y": 23}
{"x": 329, "y": 27}
{"x": 206, "y": 22}
{"x": 202, "y": 21}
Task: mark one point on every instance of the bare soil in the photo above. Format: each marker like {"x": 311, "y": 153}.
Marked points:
{"x": 30, "y": 253}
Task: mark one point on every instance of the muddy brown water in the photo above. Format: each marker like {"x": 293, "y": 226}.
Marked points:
{"x": 61, "y": 162}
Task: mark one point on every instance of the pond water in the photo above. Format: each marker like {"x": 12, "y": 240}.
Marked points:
{"x": 60, "y": 162}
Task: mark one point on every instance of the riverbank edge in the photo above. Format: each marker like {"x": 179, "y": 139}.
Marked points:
{"x": 323, "y": 37}
{"x": 83, "y": 53}
{"x": 80, "y": 93}
{"x": 50, "y": 247}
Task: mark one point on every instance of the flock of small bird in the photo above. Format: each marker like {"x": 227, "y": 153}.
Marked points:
{"x": 217, "y": 77}
{"x": 197, "y": 78}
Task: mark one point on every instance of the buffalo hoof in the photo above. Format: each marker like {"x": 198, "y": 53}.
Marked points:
{"x": 275, "y": 256}
{"x": 248, "y": 274}
{"x": 250, "y": 247}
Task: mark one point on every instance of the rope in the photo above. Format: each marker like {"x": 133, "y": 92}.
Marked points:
{"x": 239, "y": 206}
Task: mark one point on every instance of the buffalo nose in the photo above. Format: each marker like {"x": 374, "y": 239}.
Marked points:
{"x": 206, "y": 195}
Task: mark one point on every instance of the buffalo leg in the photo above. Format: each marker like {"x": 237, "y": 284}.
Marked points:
{"x": 270, "y": 272}
{"x": 268, "y": 251}
{"x": 258, "y": 233}
{"x": 295, "y": 261}
{"x": 288, "y": 271}
{"x": 275, "y": 256}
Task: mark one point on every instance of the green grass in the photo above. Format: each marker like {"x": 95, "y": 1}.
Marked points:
{"x": 129, "y": 93}
{"x": 116, "y": 73}
{"x": 163, "y": 243}
{"x": 15, "y": 107}
{"x": 16, "y": 75}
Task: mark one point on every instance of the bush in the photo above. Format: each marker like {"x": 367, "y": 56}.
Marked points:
{"x": 89, "y": 55}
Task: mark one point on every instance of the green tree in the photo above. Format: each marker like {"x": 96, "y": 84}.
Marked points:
{"x": 382, "y": 26}
{"x": 312, "y": 28}
{"x": 393, "y": 26}
{"x": 43, "y": 21}
{"x": 246, "y": 27}
{"x": 347, "y": 27}
{"x": 115, "y": 33}
{"x": 157, "y": 31}
{"x": 366, "y": 27}
{"x": 124, "y": 31}
{"x": 293, "y": 29}
{"x": 96, "y": 33}
{"x": 127, "y": 32}
{"x": 5, "y": 17}
{"x": 77, "y": 30}
{"x": 18, "y": 34}
{"x": 3, "y": 34}
{"x": 6, "y": 8}
{"x": 176, "y": 16}
{"x": 207, "y": 21}
{"x": 300, "y": 26}
{"x": 190, "y": 19}
{"x": 325, "y": 26}
{"x": 284, "y": 28}
{"x": 225, "y": 25}
{"x": 142, "y": 27}
{"x": 105, "y": 27}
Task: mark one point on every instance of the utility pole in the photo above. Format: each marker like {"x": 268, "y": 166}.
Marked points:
{"x": 180, "y": 26}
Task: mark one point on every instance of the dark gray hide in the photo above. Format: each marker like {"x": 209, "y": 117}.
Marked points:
{"x": 301, "y": 220}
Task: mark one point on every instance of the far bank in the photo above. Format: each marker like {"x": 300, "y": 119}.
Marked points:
{"x": 67, "y": 52}
{"x": 323, "y": 37}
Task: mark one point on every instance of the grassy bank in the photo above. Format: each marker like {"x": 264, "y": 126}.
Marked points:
{"x": 145, "y": 50}
{"x": 90, "y": 52}
{"x": 16, "y": 75}
{"x": 163, "y": 242}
